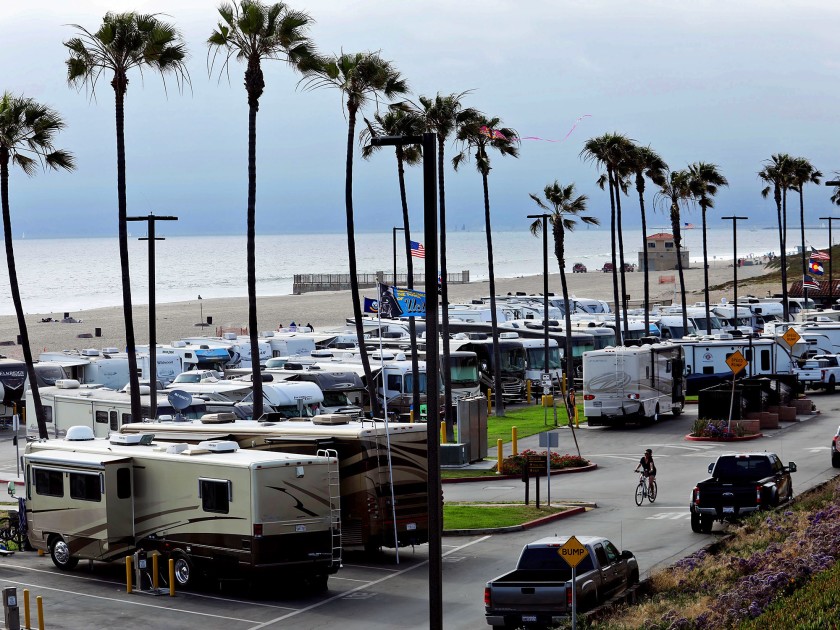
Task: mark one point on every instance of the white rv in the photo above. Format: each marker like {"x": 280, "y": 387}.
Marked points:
{"x": 109, "y": 367}
{"x": 210, "y": 507}
{"x": 637, "y": 383}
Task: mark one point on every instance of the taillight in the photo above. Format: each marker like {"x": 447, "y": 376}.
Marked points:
{"x": 568, "y": 597}
{"x": 696, "y": 495}
{"x": 589, "y": 396}
{"x": 258, "y": 529}
{"x": 487, "y": 596}
{"x": 758, "y": 495}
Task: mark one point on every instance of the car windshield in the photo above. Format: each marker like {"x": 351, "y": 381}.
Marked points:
{"x": 187, "y": 377}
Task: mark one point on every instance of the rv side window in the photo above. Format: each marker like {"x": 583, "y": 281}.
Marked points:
{"x": 126, "y": 418}
{"x": 101, "y": 417}
{"x": 47, "y": 413}
{"x": 215, "y": 495}
{"x": 765, "y": 360}
{"x": 48, "y": 482}
{"x": 667, "y": 367}
{"x": 114, "y": 421}
{"x": 123, "y": 483}
{"x": 748, "y": 354}
{"x": 395, "y": 382}
{"x": 85, "y": 487}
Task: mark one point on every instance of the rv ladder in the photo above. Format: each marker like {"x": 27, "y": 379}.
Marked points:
{"x": 334, "y": 483}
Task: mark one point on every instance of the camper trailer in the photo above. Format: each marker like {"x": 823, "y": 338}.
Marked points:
{"x": 363, "y": 468}
{"x": 637, "y": 383}
{"x": 210, "y": 507}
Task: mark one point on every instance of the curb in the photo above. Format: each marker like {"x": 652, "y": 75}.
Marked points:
{"x": 516, "y": 528}
{"x": 494, "y": 477}
{"x": 745, "y": 438}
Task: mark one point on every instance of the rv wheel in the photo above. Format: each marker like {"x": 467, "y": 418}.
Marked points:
{"x": 678, "y": 409}
{"x": 184, "y": 570}
{"x": 60, "y": 554}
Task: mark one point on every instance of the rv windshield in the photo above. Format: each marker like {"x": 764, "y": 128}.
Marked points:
{"x": 336, "y": 399}
{"x": 513, "y": 360}
{"x": 409, "y": 383}
{"x": 536, "y": 358}
{"x": 463, "y": 370}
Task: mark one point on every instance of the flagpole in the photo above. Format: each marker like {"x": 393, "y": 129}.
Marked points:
{"x": 387, "y": 429}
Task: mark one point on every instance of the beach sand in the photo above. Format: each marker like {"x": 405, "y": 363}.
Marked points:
{"x": 327, "y": 309}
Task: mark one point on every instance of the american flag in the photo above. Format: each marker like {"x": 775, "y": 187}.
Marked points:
{"x": 417, "y": 250}
{"x": 818, "y": 255}
{"x": 809, "y": 283}
{"x": 689, "y": 226}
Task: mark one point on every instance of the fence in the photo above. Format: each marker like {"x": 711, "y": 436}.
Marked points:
{"x": 304, "y": 283}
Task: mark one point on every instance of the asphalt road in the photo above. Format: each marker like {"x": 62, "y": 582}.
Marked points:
{"x": 377, "y": 593}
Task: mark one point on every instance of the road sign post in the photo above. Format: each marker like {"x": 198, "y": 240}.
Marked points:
{"x": 736, "y": 363}
{"x": 573, "y": 552}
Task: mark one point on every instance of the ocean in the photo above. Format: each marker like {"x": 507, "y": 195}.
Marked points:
{"x": 66, "y": 275}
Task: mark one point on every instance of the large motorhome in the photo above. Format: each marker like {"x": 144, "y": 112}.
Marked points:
{"x": 512, "y": 368}
{"x": 209, "y": 506}
{"x": 363, "y": 468}
{"x": 637, "y": 383}
{"x": 535, "y": 365}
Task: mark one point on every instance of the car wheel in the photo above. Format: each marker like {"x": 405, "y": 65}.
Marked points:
{"x": 706, "y": 523}
{"x": 184, "y": 569}
{"x": 695, "y": 523}
{"x": 60, "y": 554}
{"x": 831, "y": 387}
{"x": 835, "y": 460}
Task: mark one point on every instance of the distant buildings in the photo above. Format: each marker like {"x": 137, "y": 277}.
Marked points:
{"x": 662, "y": 253}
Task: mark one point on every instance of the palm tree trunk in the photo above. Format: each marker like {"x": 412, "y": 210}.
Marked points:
{"x": 13, "y": 283}
{"x": 120, "y": 84}
{"x": 444, "y": 299}
{"x": 497, "y": 355}
{"x": 640, "y": 186}
{"x": 620, "y": 250}
{"x": 619, "y": 336}
{"x": 675, "y": 226}
{"x": 253, "y": 330}
{"x": 802, "y": 236}
{"x": 351, "y": 252}
{"x": 706, "y": 272}
{"x": 560, "y": 253}
{"x": 782, "y": 212}
{"x": 412, "y": 326}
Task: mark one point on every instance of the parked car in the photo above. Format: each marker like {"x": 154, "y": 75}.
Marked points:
{"x": 629, "y": 267}
{"x": 607, "y": 268}
{"x": 579, "y": 268}
{"x": 835, "y": 449}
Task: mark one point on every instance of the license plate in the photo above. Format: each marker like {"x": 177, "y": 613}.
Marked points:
{"x": 411, "y": 526}
{"x": 300, "y": 528}
{"x": 529, "y": 619}
{"x": 729, "y": 510}
{"x": 597, "y": 403}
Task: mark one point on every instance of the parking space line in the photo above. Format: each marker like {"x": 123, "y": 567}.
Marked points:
{"x": 364, "y": 566}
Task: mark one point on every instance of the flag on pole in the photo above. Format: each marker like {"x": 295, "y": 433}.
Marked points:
{"x": 689, "y": 226}
{"x": 815, "y": 267}
{"x": 809, "y": 283}
{"x": 371, "y": 306}
{"x": 417, "y": 250}
{"x": 818, "y": 255}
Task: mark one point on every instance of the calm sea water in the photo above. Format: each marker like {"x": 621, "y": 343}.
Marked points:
{"x": 58, "y": 275}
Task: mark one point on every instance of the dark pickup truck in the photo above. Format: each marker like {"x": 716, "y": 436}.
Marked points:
{"x": 538, "y": 592}
{"x": 740, "y": 484}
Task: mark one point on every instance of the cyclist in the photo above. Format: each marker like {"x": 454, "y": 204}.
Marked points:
{"x": 648, "y": 467}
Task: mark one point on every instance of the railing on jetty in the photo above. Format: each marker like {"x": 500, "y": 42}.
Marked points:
{"x": 304, "y": 283}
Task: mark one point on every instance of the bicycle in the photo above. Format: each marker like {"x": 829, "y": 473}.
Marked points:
{"x": 644, "y": 492}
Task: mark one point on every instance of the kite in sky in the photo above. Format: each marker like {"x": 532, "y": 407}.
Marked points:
{"x": 574, "y": 126}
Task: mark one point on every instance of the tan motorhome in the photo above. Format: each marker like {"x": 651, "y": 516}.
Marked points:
{"x": 211, "y": 507}
{"x": 366, "y": 515}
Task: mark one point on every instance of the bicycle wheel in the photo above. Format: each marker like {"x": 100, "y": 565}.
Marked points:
{"x": 652, "y": 491}
{"x": 640, "y": 493}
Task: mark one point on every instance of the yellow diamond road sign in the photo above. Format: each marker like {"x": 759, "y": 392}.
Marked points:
{"x": 791, "y": 336}
{"x": 736, "y": 362}
{"x": 573, "y": 552}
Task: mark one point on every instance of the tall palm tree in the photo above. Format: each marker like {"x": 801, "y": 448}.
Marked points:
{"x": 124, "y": 42}
{"x": 646, "y": 164}
{"x": 254, "y": 32}
{"x": 359, "y": 78}
{"x": 704, "y": 181}
{"x": 610, "y": 151}
{"x": 674, "y": 192}
{"x": 400, "y": 122}
{"x": 477, "y": 135}
{"x": 803, "y": 172}
{"x": 777, "y": 174}
{"x": 565, "y": 206}
{"x": 442, "y": 115}
{"x": 27, "y": 130}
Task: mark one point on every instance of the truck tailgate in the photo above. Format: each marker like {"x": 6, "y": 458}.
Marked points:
{"x": 530, "y": 596}
{"x": 727, "y": 498}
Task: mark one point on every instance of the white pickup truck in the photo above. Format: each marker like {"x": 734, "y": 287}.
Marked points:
{"x": 819, "y": 372}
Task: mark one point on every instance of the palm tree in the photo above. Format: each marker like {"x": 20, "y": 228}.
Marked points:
{"x": 360, "y": 78}
{"x": 254, "y": 32}
{"x": 611, "y": 152}
{"x": 704, "y": 181}
{"x": 565, "y": 207}
{"x": 27, "y": 130}
{"x": 673, "y": 192}
{"x": 123, "y": 42}
{"x": 803, "y": 172}
{"x": 443, "y": 115}
{"x": 646, "y": 164}
{"x": 399, "y": 122}
{"x": 777, "y": 174}
{"x": 478, "y": 134}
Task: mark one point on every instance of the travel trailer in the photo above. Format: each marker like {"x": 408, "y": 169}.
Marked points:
{"x": 637, "y": 383}
{"x": 338, "y": 389}
{"x": 210, "y": 507}
{"x": 361, "y": 447}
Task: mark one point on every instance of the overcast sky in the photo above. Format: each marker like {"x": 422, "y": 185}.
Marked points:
{"x": 723, "y": 82}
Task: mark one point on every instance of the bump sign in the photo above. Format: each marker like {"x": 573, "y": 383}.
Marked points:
{"x": 736, "y": 362}
{"x": 791, "y": 336}
{"x": 573, "y": 552}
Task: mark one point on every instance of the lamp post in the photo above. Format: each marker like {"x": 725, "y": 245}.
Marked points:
{"x": 735, "y": 220}
{"x": 545, "y": 218}
{"x": 430, "y": 225}
{"x": 394, "y": 231}
{"x": 151, "y": 219}
{"x": 830, "y": 257}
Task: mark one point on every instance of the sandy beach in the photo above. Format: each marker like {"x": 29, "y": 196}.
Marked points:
{"x": 326, "y": 309}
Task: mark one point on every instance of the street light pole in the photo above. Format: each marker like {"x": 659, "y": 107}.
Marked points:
{"x": 735, "y": 220}
{"x": 394, "y": 235}
{"x": 545, "y": 218}
{"x": 151, "y": 219}
{"x": 830, "y": 259}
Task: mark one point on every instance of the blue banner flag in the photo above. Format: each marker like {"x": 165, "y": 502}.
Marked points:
{"x": 396, "y": 302}
{"x": 371, "y": 306}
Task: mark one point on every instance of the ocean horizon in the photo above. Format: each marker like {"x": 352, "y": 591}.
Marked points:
{"x": 58, "y": 275}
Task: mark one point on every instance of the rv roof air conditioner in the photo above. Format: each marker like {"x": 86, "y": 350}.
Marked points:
{"x": 110, "y": 350}
{"x": 508, "y": 335}
{"x": 179, "y": 344}
{"x": 79, "y": 434}
{"x": 218, "y": 446}
{"x": 477, "y": 336}
{"x": 131, "y": 439}
{"x": 90, "y": 352}
{"x": 218, "y": 418}
{"x": 229, "y": 335}
{"x": 293, "y": 366}
{"x": 67, "y": 383}
{"x": 321, "y": 353}
{"x": 331, "y": 419}
{"x": 177, "y": 448}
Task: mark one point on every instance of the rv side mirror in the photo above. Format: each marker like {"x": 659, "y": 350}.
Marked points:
{"x": 11, "y": 488}
{"x": 791, "y": 467}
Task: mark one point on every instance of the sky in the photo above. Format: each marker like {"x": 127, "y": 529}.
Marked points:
{"x": 723, "y": 82}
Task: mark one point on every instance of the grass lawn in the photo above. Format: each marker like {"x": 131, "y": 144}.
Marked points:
{"x": 469, "y": 516}
{"x": 528, "y": 420}
{"x": 460, "y": 474}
